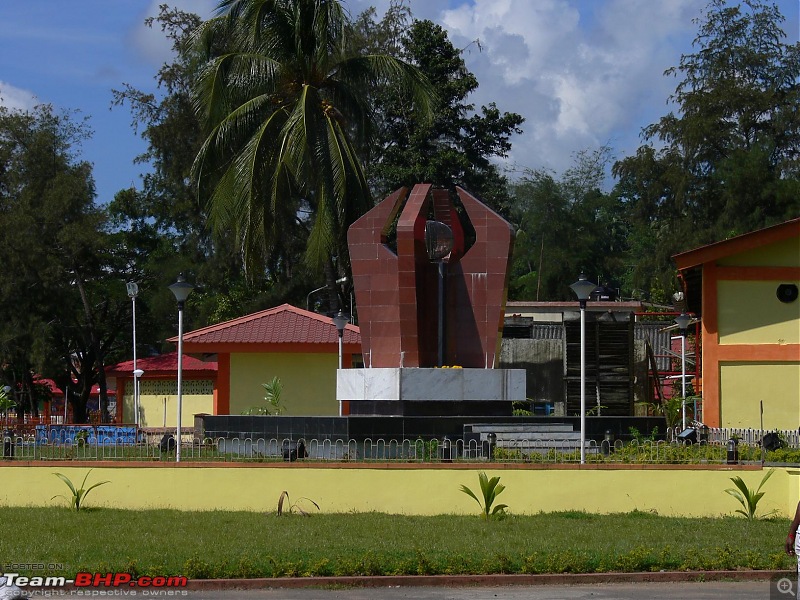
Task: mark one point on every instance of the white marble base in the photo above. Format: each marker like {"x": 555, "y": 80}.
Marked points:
{"x": 412, "y": 384}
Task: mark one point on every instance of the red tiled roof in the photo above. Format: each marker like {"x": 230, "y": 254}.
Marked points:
{"x": 164, "y": 363}
{"x": 57, "y": 391}
{"x": 51, "y": 385}
{"x": 284, "y": 324}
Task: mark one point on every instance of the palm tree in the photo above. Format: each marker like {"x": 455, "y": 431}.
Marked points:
{"x": 285, "y": 99}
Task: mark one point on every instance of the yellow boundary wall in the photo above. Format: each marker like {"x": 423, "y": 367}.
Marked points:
{"x": 401, "y": 489}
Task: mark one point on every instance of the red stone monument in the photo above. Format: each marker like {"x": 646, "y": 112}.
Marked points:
{"x": 398, "y": 294}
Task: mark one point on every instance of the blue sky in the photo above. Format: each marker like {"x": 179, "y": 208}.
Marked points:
{"x": 582, "y": 72}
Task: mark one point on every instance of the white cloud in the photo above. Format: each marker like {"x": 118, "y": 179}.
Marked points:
{"x": 422, "y": 9}
{"x": 581, "y": 73}
{"x": 16, "y": 98}
{"x": 151, "y": 42}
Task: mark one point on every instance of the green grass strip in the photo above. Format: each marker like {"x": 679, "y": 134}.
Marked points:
{"x": 241, "y": 544}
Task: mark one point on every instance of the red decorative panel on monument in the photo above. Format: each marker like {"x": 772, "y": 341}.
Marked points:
{"x": 398, "y": 293}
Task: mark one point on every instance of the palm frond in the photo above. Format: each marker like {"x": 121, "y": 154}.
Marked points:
{"x": 284, "y": 103}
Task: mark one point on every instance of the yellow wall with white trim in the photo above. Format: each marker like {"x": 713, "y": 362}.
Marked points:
{"x": 197, "y": 397}
{"x": 785, "y": 253}
{"x": 744, "y": 385}
{"x": 309, "y": 381}
{"x": 414, "y": 491}
{"x": 750, "y": 313}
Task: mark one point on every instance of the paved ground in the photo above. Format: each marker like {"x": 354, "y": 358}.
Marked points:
{"x": 743, "y": 590}
{"x": 717, "y": 585}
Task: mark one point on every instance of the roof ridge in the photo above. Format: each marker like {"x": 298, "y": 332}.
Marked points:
{"x": 237, "y": 320}
{"x": 285, "y": 307}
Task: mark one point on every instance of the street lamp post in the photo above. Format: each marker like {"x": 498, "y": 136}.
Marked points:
{"x": 341, "y": 320}
{"x": 137, "y": 378}
{"x": 683, "y": 321}
{"x": 583, "y": 290}
{"x": 181, "y": 289}
{"x": 133, "y": 291}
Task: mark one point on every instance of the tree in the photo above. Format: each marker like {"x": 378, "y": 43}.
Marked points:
{"x": 729, "y": 161}
{"x": 282, "y": 99}
{"x": 58, "y": 316}
{"x": 549, "y": 210}
{"x": 162, "y": 229}
{"x": 458, "y": 145}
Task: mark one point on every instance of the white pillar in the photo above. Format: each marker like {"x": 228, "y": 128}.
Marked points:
{"x": 683, "y": 378}
{"x": 180, "y": 382}
{"x": 583, "y": 384}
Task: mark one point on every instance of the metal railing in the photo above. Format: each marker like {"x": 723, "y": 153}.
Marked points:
{"x": 247, "y": 449}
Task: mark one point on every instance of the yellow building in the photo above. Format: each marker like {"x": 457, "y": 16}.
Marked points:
{"x": 297, "y": 346}
{"x": 746, "y": 291}
{"x": 158, "y": 390}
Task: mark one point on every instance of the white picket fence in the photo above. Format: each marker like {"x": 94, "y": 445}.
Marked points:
{"x": 753, "y": 437}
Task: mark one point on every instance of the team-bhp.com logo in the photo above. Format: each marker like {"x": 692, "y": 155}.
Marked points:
{"x": 95, "y": 580}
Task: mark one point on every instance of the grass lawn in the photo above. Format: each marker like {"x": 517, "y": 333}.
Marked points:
{"x": 243, "y": 544}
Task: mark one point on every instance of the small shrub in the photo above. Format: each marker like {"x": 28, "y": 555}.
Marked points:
{"x": 272, "y": 396}
{"x": 197, "y": 568}
{"x": 490, "y": 490}
{"x": 78, "y": 495}
{"x": 747, "y": 498}
{"x": 81, "y": 437}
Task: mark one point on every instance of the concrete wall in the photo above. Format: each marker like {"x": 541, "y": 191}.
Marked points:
{"x": 309, "y": 381}
{"x": 750, "y": 313}
{"x": 745, "y": 385}
{"x": 543, "y": 361}
{"x": 785, "y": 253}
{"x": 398, "y": 489}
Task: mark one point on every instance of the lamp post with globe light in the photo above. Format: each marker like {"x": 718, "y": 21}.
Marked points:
{"x": 133, "y": 291}
{"x": 340, "y": 320}
{"x": 683, "y": 321}
{"x": 137, "y": 382}
{"x": 583, "y": 290}
{"x": 181, "y": 289}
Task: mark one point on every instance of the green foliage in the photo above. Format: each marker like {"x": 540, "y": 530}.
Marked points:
{"x": 457, "y": 145}
{"x": 382, "y": 544}
{"x": 548, "y": 209}
{"x": 749, "y": 499}
{"x": 81, "y": 437}
{"x": 640, "y": 438}
{"x": 6, "y": 404}
{"x": 522, "y": 409}
{"x": 283, "y": 122}
{"x": 78, "y": 494}
{"x": 595, "y": 410}
{"x": 286, "y": 506}
{"x": 272, "y": 397}
{"x": 725, "y": 162}
{"x": 61, "y": 302}
{"x": 426, "y": 451}
{"x": 490, "y": 490}
{"x": 671, "y": 410}
{"x": 781, "y": 455}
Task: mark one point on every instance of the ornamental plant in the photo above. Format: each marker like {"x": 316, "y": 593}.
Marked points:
{"x": 749, "y": 499}
{"x": 490, "y": 490}
{"x": 78, "y": 495}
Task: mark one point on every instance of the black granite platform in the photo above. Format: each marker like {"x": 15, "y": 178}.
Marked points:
{"x": 359, "y": 428}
